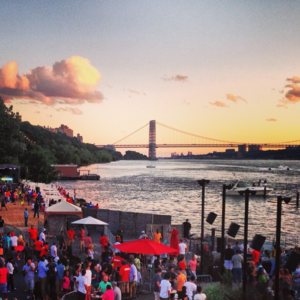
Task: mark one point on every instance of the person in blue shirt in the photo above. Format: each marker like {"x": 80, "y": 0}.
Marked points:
{"x": 26, "y": 217}
{"x": 29, "y": 269}
{"x": 6, "y": 244}
{"x": 59, "y": 271}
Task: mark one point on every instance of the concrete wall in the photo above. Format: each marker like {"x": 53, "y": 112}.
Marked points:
{"x": 131, "y": 223}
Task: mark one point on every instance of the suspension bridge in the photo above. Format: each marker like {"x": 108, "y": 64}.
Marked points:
{"x": 168, "y": 137}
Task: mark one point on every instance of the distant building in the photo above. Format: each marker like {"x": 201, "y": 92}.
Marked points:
{"x": 190, "y": 153}
{"x": 66, "y": 170}
{"x": 242, "y": 149}
{"x": 253, "y": 148}
{"x": 230, "y": 150}
{"x": 66, "y": 130}
{"x": 54, "y": 130}
{"x": 111, "y": 147}
{"x": 79, "y": 138}
{"x": 174, "y": 154}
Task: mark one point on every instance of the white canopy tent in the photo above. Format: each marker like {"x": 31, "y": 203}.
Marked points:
{"x": 90, "y": 221}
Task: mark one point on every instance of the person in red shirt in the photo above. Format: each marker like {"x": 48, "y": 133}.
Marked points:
{"x": 103, "y": 240}
{"x": 33, "y": 234}
{"x": 117, "y": 261}
{"x": 71, "y": 234}
{"x": 124, "y": 271}
{"x": 38, "y": 246}
{"x": 255, "y": 255}
{"x": 3, "y": 281}
{"x": 44, "y": 251}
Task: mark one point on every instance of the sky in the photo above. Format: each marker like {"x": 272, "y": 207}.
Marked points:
{"x": 227, "y": 70}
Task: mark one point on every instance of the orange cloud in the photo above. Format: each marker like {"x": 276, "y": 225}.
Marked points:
{"x": 218, "y": 104}
{"x": 271, "y": 120}
{"x": 70, "y": 81}
{"x": 234, "y": 98}
{"x": 176, "y": 77}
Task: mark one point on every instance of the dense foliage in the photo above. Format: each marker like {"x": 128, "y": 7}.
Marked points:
{"x": 132, "y": 155}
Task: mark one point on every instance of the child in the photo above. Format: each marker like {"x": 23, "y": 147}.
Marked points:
{"x": 66, "y": 282}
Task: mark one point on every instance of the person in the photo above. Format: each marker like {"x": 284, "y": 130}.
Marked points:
{"x": 237, "y": 260}
{"x": 81, "y": 235}
{"x": 186, "y": 228}
{"x": 36, "y": 209}
{"x": 33, "y": 234}
{"x": 228, "y": 254}
{"x": 133, "y": 278}
{"x": 71, "y": 234}
{"x": 81, "y": 286}
{"x": 103, "y": 284}
{"x": 143, "y": 235}
{"x": 296, "y": 276}
{"x": 193, "y": 265}
{"x": 90, "y": 252}
{"x": 200, "y": 295}
{"x": 66, "y": 282}
{"x": 87, "y": 242}
{"x": 251, "y": 272}
{"x": 42, "y": 274}
{"x": 38, "y": 246}
{"x": 182, "y": 264}
{"x": 3, "y": 280}
{"x": 109, "y": 293}
{"x": 255, "y": 256}
{"x": 10, "y": 278}
{"x": 191, "y": 287}
{"x": 53, "y": 250}
{"x": 236, "y": 247}
{"x": 182, "y": 247}
{"x": 156, "y": 283}
{"x": 272, "y": 259}
{"x": 28, "y": 252}
{"x": 6, "y": 244}
{"x": 1, "y": 224}
{"x": 28, "y": 270}
{"x": 43, "y": 235}
{"x": 157, "y": 236}
{"x": 61, "y": 239}
{"x": 13, "y": 241}
{"x": 172, "y": 276}
{"x": 183, "y": 293}
{"x": 117, "y": 291}
{"x": 3, "y": 203}
{"x": 165, "y": 288}
{"x": 103, "y": 240}
{"x": 124, "y": 271}
{"x": 26, "y": 217}
{"x": 181, "y": 279}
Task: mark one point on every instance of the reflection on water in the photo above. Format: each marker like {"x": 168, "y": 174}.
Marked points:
{"x": 171, "y": 188}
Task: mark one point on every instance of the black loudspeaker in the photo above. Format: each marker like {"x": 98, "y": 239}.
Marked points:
{"x": 233, "y": 229}
{"x": 293, "y": 261}
{"x": 219, "y": 244}
{"x": 37, "y": 189}
{"x": 211, "y": 218}
{"x": 257, "y": 242}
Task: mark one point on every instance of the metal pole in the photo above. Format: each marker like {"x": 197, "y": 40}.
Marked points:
{"x": 213, "y": 237}
{"x": 202, "y": 225}
{"x": 245, "y": 241}
{"x": 278, "y": 252}
{"x": 223, "y": 228}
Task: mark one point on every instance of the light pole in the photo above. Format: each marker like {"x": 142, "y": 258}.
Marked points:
{"x": 278, "y": 250}
{"x": 225, "y": 187}
{"x": 202, "y": 183}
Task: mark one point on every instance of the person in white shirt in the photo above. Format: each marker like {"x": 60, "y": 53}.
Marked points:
{"x": 54, "y": 250}
{"x": 88, "y": 275}
{"x": 182, "y": 247}
{"x": 165, "y": 288}
{"x": 81, "y": 285}
{"x": 43, "y": 236}
{"x": 199, "y": 295}
{"x": 191, "y": 287}
{"x": 13, "y": 241}
{"x": 10, "y": 278}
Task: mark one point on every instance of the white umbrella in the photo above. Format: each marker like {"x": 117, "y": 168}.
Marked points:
{"x": 89, "y": 221}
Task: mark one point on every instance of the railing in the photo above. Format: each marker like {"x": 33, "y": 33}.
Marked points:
{"x": 109, "y": 235}
{"x": 69, "y": 296}
{"x": 17, "y": 231}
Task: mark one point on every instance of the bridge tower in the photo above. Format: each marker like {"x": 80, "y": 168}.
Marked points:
{"x": 152, "y": 140}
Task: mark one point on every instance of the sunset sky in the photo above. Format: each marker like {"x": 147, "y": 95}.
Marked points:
{"x": 227, "y": 70}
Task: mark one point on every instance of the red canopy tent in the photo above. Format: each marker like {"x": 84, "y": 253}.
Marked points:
{"x": 144, "y": 246}
{"x": 174, "y": 241}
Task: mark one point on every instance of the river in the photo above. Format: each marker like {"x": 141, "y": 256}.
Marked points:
{"x": 171, "y": 188}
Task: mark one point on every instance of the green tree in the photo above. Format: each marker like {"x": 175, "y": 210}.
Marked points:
{"x": 9, "y": 134}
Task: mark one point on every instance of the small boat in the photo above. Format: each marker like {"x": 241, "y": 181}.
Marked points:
{"x": 151, "y": 166}
{"x": 239, "y": 189}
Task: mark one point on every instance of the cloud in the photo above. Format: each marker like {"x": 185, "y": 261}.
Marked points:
{"x": 133, "y": 91}
{"x": 73, "y": 110}
{"x": 234, "y": 98}
{"x": 176, "y": 77}
{"x": 218, "y": 104}
{"x": 70, "y": 81}
{"x": 281, "y": 106}
{"x": 271, "y": 120}
{"x": 292, "y": 96}
{"x": 37, "y": 112}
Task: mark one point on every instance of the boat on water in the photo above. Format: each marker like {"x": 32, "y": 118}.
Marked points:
{"x": 151, "y": 166}
{"x": 239, "y": 189}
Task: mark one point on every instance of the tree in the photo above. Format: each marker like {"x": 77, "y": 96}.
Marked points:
{"x": 9, "y": 134}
